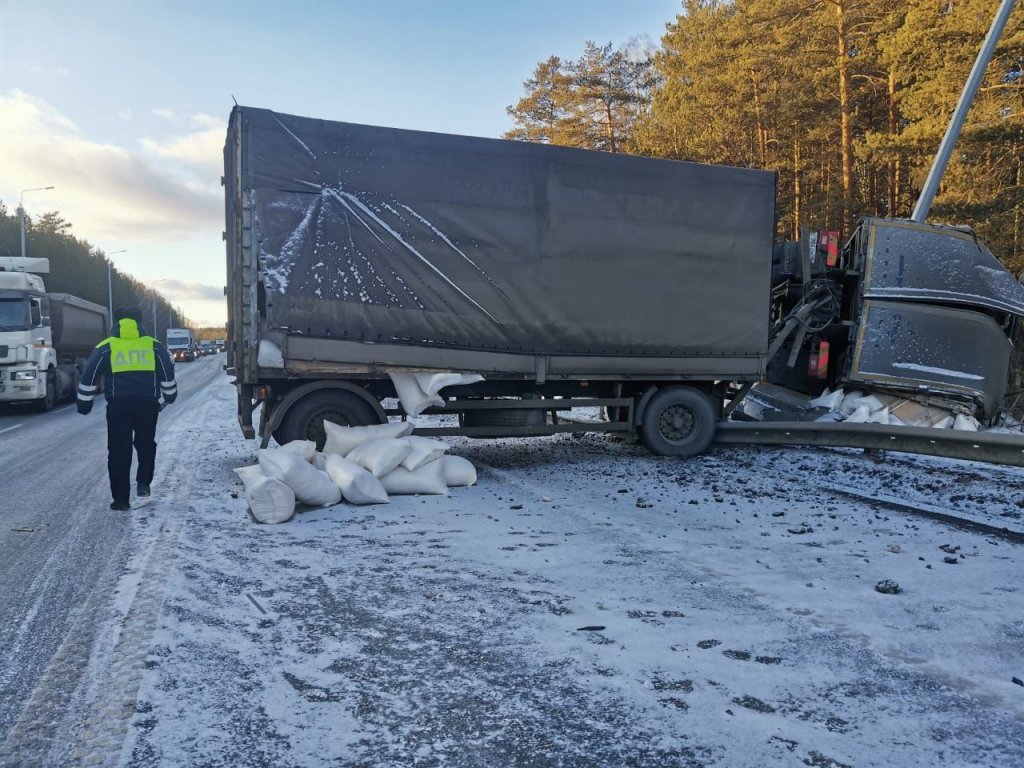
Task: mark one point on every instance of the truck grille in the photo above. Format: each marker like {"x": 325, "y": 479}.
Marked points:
{"x": 4, "y": 350}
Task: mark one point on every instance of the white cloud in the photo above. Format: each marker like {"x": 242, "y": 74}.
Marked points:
{"x": 166, "y": 114}
{"x": 124, "y": 114}
{"x": 209, "y": 121}
{"x": 168, "y": 191}
{"x": 201, "y": 150}
{"x": 182, "y": 290}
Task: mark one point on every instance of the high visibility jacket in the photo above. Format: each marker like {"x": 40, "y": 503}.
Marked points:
{"x": 133, "y": 366}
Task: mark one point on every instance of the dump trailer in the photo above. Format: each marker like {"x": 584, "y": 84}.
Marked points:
{"x": 44, "y": 337}
{"x": 566, "y": 278}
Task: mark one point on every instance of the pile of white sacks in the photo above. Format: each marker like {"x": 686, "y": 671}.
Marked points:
{"x": 856, "y": 407}
{"x": 361, "y": 465}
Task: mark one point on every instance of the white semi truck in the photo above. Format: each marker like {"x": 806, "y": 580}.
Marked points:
{"x": 44, "y": 337}
{"x": 182, "y": 345}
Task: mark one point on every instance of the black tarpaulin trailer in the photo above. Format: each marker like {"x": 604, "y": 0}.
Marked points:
{"x": 355, "y": 250}
{"x": 424, "y": 239}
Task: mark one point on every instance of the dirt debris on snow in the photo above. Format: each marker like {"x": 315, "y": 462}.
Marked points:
{"x": 489, "y": 628}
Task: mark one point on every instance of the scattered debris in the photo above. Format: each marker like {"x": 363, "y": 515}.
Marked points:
{"x": 738, "y": 655}
{"x": 951, "y": 560}
{"x": 755, "y": 704}
{"x": 591, "y": 628}
{"x": 888, "y": 587}
{"x": 705, "y": 644}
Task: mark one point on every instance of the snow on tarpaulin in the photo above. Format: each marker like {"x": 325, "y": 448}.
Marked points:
{"x": 379, "y": 234}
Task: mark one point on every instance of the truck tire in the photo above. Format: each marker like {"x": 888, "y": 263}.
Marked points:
{"x": 305, "y": 419}
{"x": 505, "y": 417}
{"x": 47, "y": 401}
{"x": 678, "y": 421}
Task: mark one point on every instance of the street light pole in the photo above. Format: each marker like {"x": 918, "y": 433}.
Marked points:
{"x": 21, "y": 214}
{"x": 110, "y": 286}
{"x": 153, "y": 297}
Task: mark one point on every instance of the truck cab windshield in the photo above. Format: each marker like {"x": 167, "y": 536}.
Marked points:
{"x": 14, "y": 315}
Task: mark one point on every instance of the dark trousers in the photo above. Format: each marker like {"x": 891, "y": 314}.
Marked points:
{"x": 130, "y": 422}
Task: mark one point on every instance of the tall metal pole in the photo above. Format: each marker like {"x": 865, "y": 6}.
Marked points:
{"x": 153, "y": 332}
{"x": 956, "y": 124}
{"x": 110, "y": 287}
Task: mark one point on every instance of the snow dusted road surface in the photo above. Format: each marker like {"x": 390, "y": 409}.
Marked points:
{"x": 585, "y": 604}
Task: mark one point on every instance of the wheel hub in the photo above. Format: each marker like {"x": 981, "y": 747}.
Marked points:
{"x": 676, "y": 423}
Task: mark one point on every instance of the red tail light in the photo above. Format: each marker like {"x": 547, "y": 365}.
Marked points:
{"x": 828, "y": 241}
{"x": 817, "y": 363}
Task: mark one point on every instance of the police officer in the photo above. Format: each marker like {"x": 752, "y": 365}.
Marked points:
{"x": 139, "y": 378}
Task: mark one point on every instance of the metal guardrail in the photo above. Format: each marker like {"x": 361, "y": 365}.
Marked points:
{"x": 946, "y": 443}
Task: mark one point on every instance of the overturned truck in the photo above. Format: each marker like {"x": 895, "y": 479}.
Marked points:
{"x": 570, "y": 278}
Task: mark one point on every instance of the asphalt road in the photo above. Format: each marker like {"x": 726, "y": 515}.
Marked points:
{"x": 58, "y": 536}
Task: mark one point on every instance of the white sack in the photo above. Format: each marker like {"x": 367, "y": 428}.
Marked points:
{"x": 343, "y": 440}
{"x": 896, "y": 421}
{"x": 966, "y": 423}
{"x": 270, "y": 500}
{"x": 427, "y": 479}
{"x": 250, "y": 475}
{"x": 411, "y": 395}
{"x": 269, "y": 355}
{"x": 859, "y": 416}
{"x": 357, "y": 484}
{"x": 873, "y": 403}
{"x": 945, "y": 423}
{"x": 311, "y": 486}
{"x": 458, "y": 471}
{"x": 881, "y": 416}
{"x": 319, "y": 460}
{"x": 849, "y": 405}
{"x": 424, "y": 450}
{"x": 304, "y": 449}
{"x": 380, "y": 455}
{"x": 432, "y": 383}
{"x": 830, "y": 400}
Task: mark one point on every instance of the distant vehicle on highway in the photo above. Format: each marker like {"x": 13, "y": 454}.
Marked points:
{"x": 207, "y": 348}
{"x": 44, "y": 337}
{"x": 181, "y": 344}
{"x": 220, "y": 344}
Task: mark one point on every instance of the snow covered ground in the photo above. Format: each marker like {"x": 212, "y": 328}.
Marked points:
{"x": 586, "y": 604}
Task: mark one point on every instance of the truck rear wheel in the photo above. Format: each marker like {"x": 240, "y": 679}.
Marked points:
{"x": 678, "y": 421}
{"x": 305, "y": 419}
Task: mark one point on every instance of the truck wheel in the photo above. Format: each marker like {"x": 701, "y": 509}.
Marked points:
{"x": 305, "y": 419}
{"x": 506, "y": 417}
{"x": 47, "y": 401}
{"x": 678, "y": 421}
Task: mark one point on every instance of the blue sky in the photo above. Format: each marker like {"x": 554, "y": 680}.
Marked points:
{"x": 122, "y": 105}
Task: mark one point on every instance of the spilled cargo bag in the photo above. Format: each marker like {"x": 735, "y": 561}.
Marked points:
{"x": 381, "y": 455}
{"x": 343, "y": 440}
{"x": 427, "y": 479}
{"x": 270, "y": 500}
{"x": 311, "y": 486}
{"x": 357, "y": 484}
{"x": 458, "y": 471}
